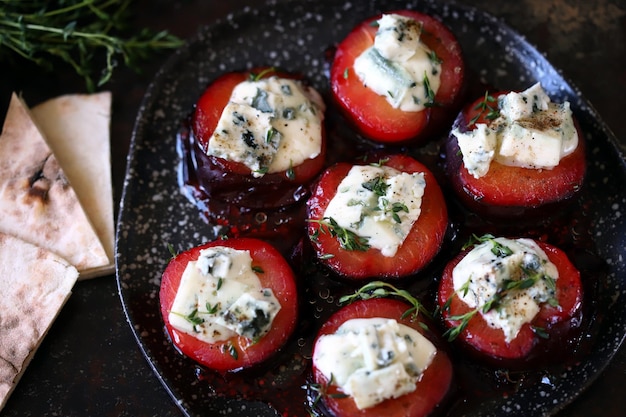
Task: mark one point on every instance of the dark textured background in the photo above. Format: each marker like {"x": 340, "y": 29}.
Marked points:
{"x": 90, "y": 365}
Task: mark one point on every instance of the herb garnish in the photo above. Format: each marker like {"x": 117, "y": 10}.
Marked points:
{"x": 486, "y": 105}
{"x": 270, "y": 134}
{"x": 381, "y": 289}
{"x": 434, "y": 58}
{"x": 194, "y": 317}
{"x": 529, "y": 277}
{"x": 347, "y": 238}
{"x": 80, "y": 33}
{"x": 430, "y": 94}
{"x": 256, "y": 77}
{"x": 376, "y": 185}
{"x": 394, "y": 209}
{"x": 291, "y": 174}
{"x": 379, "y": 163}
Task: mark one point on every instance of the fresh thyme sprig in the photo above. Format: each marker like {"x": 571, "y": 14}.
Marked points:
{"x": 376, "y": 185}
{"x": 394, "y": 209}
{"x": 76, "y": 32}
{"x": 347, "y": 238}
{"x": 381, "y": 289}
{"x": 194, "y": 317}
{"x": 498, "y": 249}
{"x": 486, "y": 105}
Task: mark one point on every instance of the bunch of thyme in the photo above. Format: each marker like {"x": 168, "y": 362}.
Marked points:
{"x": 79, "y": 33}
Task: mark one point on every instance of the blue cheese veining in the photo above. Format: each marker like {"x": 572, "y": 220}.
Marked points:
{"x": 530, "y": 132}
{"x": 378, "y": 203}
{"x": 399, "y": 66}
{"x": 270, "y": 125}
{"x": 220, "y": 296}
{"x": 514, "y": 272}
{"x": 373, "y": 359}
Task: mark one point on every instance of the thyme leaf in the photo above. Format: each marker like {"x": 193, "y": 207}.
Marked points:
{"x": 256, "y": 77}
{"x": 430, "y": 94}
{"x": 486, "y": 106}
{"x": 376, "y": 185}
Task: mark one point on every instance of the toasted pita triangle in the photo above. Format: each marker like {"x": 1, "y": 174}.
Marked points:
{"x": 77, "y": 129}
{"x": 35, "y": 285}
{"x": 37, "y": 202}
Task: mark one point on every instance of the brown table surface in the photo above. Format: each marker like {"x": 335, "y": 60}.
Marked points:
{"x": 90, "y": 365}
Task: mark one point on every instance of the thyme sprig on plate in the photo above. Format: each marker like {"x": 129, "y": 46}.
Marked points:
{"x": 77, "y": 32}
{"x": 381, "y": 289}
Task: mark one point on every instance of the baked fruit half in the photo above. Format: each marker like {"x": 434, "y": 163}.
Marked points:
{"x": 514, "y": 154}
{"x": 371, "y": 358}
{"x": 398, "y": 76}
{"x": 229, "y": 304}
{"x": 255, "y": 141}
{"x": 386, "y": 219}
{"x": 507, "y": 299}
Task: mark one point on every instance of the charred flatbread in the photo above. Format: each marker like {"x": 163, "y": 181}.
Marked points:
{"x": 35, "y": 285}
{"x": 37, "y": 202}
{"x": 77, "y": 129}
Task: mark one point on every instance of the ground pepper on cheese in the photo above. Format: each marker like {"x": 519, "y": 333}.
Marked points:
{"x": 506, "y": 281}
{"x": 530, "y": 132}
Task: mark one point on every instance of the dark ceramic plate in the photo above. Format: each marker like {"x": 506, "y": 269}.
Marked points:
{"x": 297, "y": 36}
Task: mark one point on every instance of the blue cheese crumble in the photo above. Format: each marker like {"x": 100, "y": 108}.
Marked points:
{"x": 530, "y": 132}
{"x": 399, "y": 66}
{"x": 514, "y": 272}
{"x": 373, "y": 359}
{"x": 220, "y": 296}
{"x": 378, "y": 203}
{"x": 270, "y": 125}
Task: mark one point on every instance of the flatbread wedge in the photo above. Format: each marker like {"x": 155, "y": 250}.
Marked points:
{"x": 35, "y": 284}
{"x": 77, "y": 129}
{"x": 37, "y": 202}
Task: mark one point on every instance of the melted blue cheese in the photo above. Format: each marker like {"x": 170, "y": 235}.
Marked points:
{"x": 378, "y": 203}
{"x": 373, "y": 359}
{"x": 220, "y": 296}
{"x": 490, "y": 266}
{"x": 399, "y": 66}
{"x": 270, "y": 125}
{"x": 530, "y": 132}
